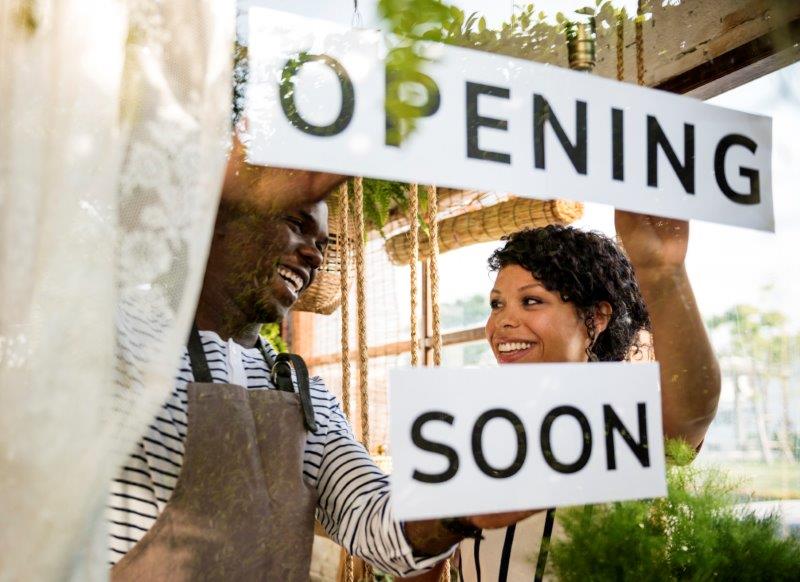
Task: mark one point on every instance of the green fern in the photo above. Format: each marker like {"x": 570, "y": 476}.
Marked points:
{"x": 695, "y": 533}
{"x": 382, "y": 197}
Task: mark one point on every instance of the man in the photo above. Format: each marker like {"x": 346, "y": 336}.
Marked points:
{"x": 225, "y": 482}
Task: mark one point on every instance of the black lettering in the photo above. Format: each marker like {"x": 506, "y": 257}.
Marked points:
{"x": 612, "y": 422}
{"x": 617, "y": 144}
{"x": 657, "y": 138}
{"x": 396, "y": 110}
{"x": 754, "y": 195}
{"x": 477, "y": 443}
{"x": 542, "y": 114}
{"x": 287, "y": 89}
{"x": 475, "y": 122}
{"x": 547, "y": 449}
{"x": 432, "y": 447}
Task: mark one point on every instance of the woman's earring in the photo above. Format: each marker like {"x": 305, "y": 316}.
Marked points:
{"x": 589, "y": 321}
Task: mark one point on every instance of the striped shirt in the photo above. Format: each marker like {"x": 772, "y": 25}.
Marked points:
{"x": 353, "y": 494}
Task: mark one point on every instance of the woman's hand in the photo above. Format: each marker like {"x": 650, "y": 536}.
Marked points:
{"x": 430, "y": 537}
{"x": 497, "y": 520}
{"x": 651, "y": 242}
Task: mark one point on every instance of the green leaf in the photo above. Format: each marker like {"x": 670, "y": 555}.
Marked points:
{"x": 271, "y": 332}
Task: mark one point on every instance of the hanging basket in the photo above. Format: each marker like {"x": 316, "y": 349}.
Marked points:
{"x": 325, "y": 294}
{"x": 486, "y": 224}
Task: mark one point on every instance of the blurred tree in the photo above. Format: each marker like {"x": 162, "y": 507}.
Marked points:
{"x": 756, "y": 348}
{"x": 464, "y": 313}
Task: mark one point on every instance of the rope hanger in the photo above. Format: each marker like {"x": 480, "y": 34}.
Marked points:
{"x": 359, "y": 239}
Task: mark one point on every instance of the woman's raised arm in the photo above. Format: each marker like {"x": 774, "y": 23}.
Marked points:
{"x": 690, "y": 377}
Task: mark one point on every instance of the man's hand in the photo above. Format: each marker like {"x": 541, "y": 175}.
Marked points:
{"x": 651, "y": 242}
{"x": 273, "y": 190}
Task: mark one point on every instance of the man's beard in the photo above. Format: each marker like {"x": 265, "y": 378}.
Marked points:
{"x": 259, "y": 304}
{"x": 255, "y": 297}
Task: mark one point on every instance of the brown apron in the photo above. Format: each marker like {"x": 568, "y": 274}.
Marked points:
{"x": 241, "y": 509}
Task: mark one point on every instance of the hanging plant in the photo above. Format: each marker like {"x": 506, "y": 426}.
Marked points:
{"x": 384, "y": 198}
{"x": 409, "y": 22}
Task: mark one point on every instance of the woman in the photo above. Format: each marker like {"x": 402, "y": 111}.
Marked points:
{"x": 566, "y": 295}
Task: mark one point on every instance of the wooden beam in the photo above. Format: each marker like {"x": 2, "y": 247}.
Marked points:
{"x": 740, "y": 65}
{"x": 460, "y": 337}
{"x": 693, "y": 44}
{"x": 397, "y": 348}
{"x": 392, "y": 349}
{"x": 705, "y": 47}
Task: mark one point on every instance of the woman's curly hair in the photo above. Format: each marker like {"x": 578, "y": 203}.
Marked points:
{"x": 585, "y": 268}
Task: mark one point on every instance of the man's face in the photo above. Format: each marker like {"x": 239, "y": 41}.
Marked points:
{"x": 273, "y": 258}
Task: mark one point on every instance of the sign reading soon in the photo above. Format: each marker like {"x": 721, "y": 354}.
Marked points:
{"x": 317, "y": 94}
{"x": 472, "y": 441}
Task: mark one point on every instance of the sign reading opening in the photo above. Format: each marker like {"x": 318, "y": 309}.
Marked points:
{"x": 487, "y": 440}
{"x": 317, "y": 94}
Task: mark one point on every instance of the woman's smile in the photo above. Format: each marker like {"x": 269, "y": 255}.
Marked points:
{"x": 511, "y": 350}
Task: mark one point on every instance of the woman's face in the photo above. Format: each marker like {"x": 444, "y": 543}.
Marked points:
{"x": 530, "y": 324}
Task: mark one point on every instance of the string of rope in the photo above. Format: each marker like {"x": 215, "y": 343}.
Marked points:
{"x": 356, "y": 21}
{"x": 640, "y": 43}
{"x": 344, "y": 271}
{"x": 413, "y": 233}
{"x": 433, "y": 226}
{"x": 621, "y": 18}
{"x": 361, "y": 307}
{"x": 433, "y": 262}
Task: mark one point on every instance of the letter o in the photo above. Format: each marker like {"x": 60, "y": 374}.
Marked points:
{"x": 547, "y": 450}
{"x": 287, "y": 88}
{"x": 477, "y": 443}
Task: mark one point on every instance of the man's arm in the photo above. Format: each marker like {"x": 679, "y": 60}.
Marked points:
{"x": 690, "y": 377}
{"x": 354, "y": 504}
{"x": 273, "y": 190}
{"x": 355, "y": 510}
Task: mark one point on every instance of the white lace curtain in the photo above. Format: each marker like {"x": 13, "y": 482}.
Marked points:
{"x": 114, "y": 124}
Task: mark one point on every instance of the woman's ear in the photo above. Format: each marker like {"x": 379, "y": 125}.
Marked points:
{"x": 602, "y": 317}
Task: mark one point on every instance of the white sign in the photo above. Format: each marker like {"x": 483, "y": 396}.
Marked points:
{"x": 486, "y": 440}
{"x": 316, "y": 100}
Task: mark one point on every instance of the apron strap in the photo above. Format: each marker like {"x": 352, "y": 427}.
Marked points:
{"x": 281, "y": 368}
{"x": 541, "y": 562}
{"x": 476, "y": 555}
{"x": 282, "y": 376}
{"x": 506, "y": 555}
{"x": 197, "y": 357}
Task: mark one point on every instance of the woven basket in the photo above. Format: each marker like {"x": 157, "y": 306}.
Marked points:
{"x": 486, "y": 224}
{"x": 325, "y": 294}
